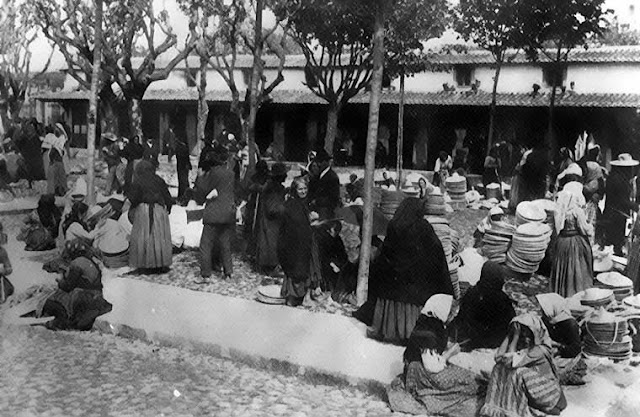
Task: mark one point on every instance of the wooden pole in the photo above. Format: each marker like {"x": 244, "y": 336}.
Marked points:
{"x": 93, "y": 104}
{"x": 372, "y": 138}
{"x": 400, "y": 142}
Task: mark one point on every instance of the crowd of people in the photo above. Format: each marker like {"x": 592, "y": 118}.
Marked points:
{"x": 295, "y": 232}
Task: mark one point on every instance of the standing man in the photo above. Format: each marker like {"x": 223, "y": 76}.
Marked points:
{"x": 150, "y": 151}
{"x": 169, "y": 141}
{"x": 620, "y": 201}
{"x": 183, "y": 166}
{"x": 216, "y": 189}
{"x": 111, "y": 154}
{"x": 324, "y": 189}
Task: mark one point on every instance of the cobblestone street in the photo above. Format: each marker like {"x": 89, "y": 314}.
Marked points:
{"x": 46, "y": 373}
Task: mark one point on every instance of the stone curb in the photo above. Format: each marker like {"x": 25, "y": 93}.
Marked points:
{"x": 308, "y": 374}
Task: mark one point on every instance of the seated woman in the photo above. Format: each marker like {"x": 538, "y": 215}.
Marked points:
{"x": 428, "y": 384}
{"x": 410, "y": 268}
{"x": 74, "y": 225}
{"x": 565, "y": 338}
{"x": 78, "y": 300}
{"x": 485, "y": 310}
{"x": 112, "y": 240}
{"x": 524, "y": 377}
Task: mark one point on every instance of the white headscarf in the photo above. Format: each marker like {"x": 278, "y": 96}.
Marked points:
{"x": 569, "y": 198}
{"x": 554, "y": 306}
{"x": 438, "y": 306}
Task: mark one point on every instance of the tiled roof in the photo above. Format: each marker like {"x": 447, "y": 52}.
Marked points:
{"x": 481, "y": 98}
{"x": 607, "y": 54}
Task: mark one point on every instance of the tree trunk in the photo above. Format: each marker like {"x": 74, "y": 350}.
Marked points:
{"x": 93, "y": 104}
{"x": 372, "y": 137}
{"x": 203, "y": 106}
{"x": 135, "y": 112}
{"x": 254, "y": 99}
{"x": 492, "y": 107}
{"x": 400, "y": 141}
{"x": 332, "y": 127}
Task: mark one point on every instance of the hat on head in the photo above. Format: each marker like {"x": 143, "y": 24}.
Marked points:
{"x": 278, "y": 170}
{"x": 322, "y": 156}
{"x": 110, "y": 136}
{"x": 625, "y": 160}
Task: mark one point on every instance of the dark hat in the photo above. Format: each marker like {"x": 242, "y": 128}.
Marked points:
{"x": 218, "y": 155}
{"x": 279, "y": 170}
{"x": 322, "y": 156}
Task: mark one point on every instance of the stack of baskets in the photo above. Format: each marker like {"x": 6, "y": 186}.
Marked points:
{"x": 528, "y": 247}
{"x": 528, "y": 212}
{"x": 443, "y": 231}
{"x": 496, "y": 241}
{"x": 456, "y": 186}
{"x": 390, "y": 202}
{"x": 455, "y": 281}
{"x": 607, "y": 335}
{"x": 435, "y": 205}
{"x": 621, "y": 286}
{"x": 493, "y": 191}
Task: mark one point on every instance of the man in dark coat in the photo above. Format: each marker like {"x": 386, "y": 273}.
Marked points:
{"x": 619, "y": 204}
{"x": 324, "y": 189}
{"x": 216, "y": 188}
{"x": 151, "y": 150}
{"x": 269, "y": 219}
{"x": 183, "y": 166}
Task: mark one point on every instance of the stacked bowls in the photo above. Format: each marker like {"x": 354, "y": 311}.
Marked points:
{"x": 607, "y": 335}
{"x": 435, "y": 205}
{"x": 456, "y": 186}
{"x": 390, "y": 202}
{"x": 496, "y": 241}
{"x": 455, "y": 281}
{"x": 621, "y": 286}
{"x": 443, "y": 231}
{"x": 528, "y": 212}
{"x": 493, "y": 191}
{"x": 528, "y": 247}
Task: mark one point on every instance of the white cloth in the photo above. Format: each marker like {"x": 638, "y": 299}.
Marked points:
{"x": 554, "y": 306}
{"x": 438, "y": 306}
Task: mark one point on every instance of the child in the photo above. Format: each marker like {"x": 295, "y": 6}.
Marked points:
{"x": 6, "y": 288}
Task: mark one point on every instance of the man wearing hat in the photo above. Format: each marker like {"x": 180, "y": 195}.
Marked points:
{"x": 215, "y": 189}
{"x": 324, "y": 189}
{"x": 620, "y": 203}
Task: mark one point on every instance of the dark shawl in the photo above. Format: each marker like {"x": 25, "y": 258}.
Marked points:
{"x": 49, "y": 213}
{"x": 412, "y": 265}
{"x": 269, "y": 220}
{"x": 485, "y": 310}
{"x": 294, "y": 243}
{"x": 147, "y": 187}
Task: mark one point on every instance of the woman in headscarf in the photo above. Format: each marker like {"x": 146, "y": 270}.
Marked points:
{"x": 112, "y": 241}
{"x": 150, "y": 245}
{"x": 594, "y": 187}
{"x": 428, "y": 385}
{"x": 485, "y": 310}
{"x": 572, "y": 267}
{"x": 56, "y": 175}
{"x": 410, "y": 269}
{"x": 524, "y": 377}
{"x": 269, "y": 219}
{"x": 295, "y": 246}
{"x": 565, "y": 338}
{"x": 75, "y": 225}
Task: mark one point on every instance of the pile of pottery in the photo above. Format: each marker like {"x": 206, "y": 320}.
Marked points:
{"x": 621, "y": 286}
{"x": 390, "y": 202}
{"x": 493, "y": 191}
{"x": 434, "y": 204}
{"x": 455, "y": 280}
{"x": 606, "y": 335}
{"x": 528, "y": 212}
{"x": 443, "y": 231}
{"x": 496, "y": 241}
{"x": 456, "y": 186}
{"x": 528, "y": 247}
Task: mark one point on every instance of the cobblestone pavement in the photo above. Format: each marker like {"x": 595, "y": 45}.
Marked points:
{"x": 48, "y": 373}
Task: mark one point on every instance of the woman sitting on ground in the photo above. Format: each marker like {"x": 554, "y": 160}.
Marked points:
{"x": 485, "y": 310}
{"x": 565, "y": 338}
{"x": 75, "y": 226}
{"x": 524, "y": 377}
{"x": 428, "y": 384}
{"x": 410, "y": 268}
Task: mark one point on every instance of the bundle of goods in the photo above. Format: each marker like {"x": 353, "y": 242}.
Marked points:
{"x": 270, "y": 294}
{"x": 456, "y": 187}
{"x": 496, "y": 241}
{"x": 435, "y": 205}
{"x": 606, "y": 335}
{"x": 528, "y": 247}
{"x": 528, "y": 212}
{"x": 443, "y": 231}
{"x": 455, "y": 281}
{"x": 493, "y": 191}
{"x": 390, "y": 202}
{"x": 549, "y": 208}
{"x": 621, "y": 286}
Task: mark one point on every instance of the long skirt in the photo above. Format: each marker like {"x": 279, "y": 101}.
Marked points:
{"x": 150, "y": 245}
{"x": 393, "y": 321}
{"x": 572, "y": 269}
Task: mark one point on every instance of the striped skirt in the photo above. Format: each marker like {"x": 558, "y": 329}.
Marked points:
{"x": 393, "y": 321}
{"x": 150, "y": 245}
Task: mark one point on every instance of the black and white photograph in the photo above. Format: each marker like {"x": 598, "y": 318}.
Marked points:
{"x": 320, "y": 208}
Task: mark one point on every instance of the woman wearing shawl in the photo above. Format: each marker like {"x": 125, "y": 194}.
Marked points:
{"x": 428, "y": 385}
{"x": 565, "y": 338}
{"x": 572, "y": 268}
{"x": 269, "y": 219}
{"x": 75, "y": 226}
{"x": 56, "y": 175}
{"x": 296, "y": 252}
{"x": 150, "y": 246}
{"x": 524, "y": 377}
{"x": 485, "y": 310}
{"x": 410, "y": 269}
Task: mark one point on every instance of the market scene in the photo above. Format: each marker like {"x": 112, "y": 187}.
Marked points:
{"x": 311, "y": 208}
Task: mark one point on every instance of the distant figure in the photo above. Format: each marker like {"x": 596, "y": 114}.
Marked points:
{"x": 183, "y": 166}
{"x": 151, "y": 151}
{"x": 269, "y": 219}
{"x": 132, "y": 152}
{"x": 324, "y": 188}
{"x": 169, "y": 141}
{"x": 441, "y": 170}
